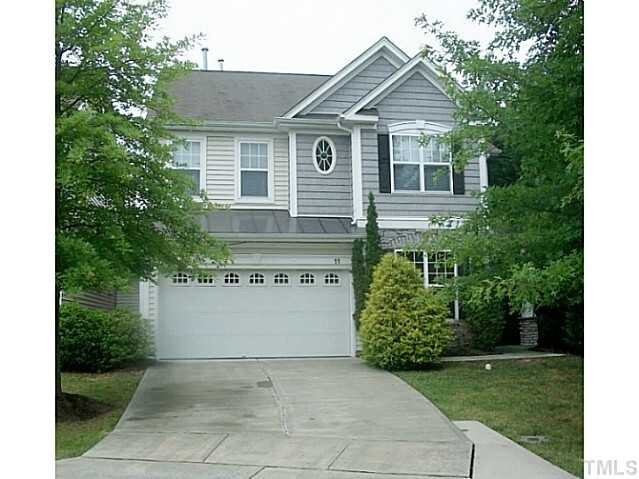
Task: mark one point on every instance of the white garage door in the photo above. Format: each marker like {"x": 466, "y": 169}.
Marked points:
{"x": 255, "y": 313}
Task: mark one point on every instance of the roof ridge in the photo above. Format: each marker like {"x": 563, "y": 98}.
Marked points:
{"x": 260, "y": 72}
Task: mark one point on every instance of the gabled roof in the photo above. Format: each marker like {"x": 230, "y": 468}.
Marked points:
{"x": 418, "y": 64}
{"x": 382, "y": 45}
{"x": 240, "y": 96}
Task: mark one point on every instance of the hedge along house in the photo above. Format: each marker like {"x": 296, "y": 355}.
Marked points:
{"x": 293, "y": 156}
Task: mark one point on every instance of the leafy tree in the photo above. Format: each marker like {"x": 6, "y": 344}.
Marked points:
{"x": 522, "y": 96}
{"x": 358, "y": 266}
{"x": 121, "y": 213}
{"x": 374, "y": 250}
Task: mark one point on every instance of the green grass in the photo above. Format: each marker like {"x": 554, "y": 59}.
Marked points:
{"x": 73, "y": 438}
{"x": 517, "y": 398}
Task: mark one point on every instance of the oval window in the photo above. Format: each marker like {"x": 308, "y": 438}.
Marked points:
{"x": 324, "y": 155}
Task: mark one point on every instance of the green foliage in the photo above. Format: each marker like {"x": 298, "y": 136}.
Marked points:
{"x": 486, "y": 321}
{"x": 358, "y": 266}
{"x": 365, "y": 258}
{"x": 403, "y": 325}
{"x": 120, "y": 211}
{"x": 373, "y": 241}
{"x": 521, "y": 101}
{"x": 93, "y": 340}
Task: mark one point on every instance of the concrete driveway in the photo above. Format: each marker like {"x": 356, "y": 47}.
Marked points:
{"x": 268, "y": 419}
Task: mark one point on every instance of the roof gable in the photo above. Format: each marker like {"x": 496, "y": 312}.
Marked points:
{"x": 355, "y": 88}
{"x": 382, "y": 47}
{"x": 417, "y": 65}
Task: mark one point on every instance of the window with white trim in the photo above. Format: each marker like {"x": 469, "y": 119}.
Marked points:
{"x": 254, "y": 169}
{"x": 434, "y": 268}
{"x": 256, "y": 279}
{"x": 187, "y": 157}
{"x": 181, "y": 279}
{"x": 307, "y": 279}
{"x": 280, "y": 279}
{"x": 420, "y": 167}
{"x": 324, "y": 155}
{"x": 331, "y": 279}
{"x": 440, "y": 268}
{"x": 231, "y": 279}
{"x": 205, "y": 279}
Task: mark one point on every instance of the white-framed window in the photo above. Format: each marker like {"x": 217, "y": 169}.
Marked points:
{"x": 420, "y": 168}
{"x": 331, "y": 279}
{"x": 440, "y": 268}
{"x": 205, "y": 279}
{"x": 181, "y": 279}
{"x": 231, "y": 279}
{"x": 256, "y": 279}
{"x": 434, "y": 268}
{"x": 280, "y": 279}
{"x": 425, "y": 168}
{"x": 255, "y": 170}
{"x": 307, "y": 279}
{"x": 190, "y": 158}
{"x": 324, "y": 155}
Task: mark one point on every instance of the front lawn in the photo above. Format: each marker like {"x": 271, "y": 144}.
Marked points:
{"x": 529, "y": 397}
{"x": 74, "y": 437}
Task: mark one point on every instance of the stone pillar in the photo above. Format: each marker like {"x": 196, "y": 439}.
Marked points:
{"x": 528, "y": 330}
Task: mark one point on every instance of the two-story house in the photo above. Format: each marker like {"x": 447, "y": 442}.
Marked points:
{"x": 294, "y": 156}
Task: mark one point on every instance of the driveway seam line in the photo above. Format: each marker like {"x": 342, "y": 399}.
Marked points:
{"x": 276, "y": 396}
{"x": 257, "y": 472}
{"x": 215, "y": 447}
{"x": 328, "y": 468}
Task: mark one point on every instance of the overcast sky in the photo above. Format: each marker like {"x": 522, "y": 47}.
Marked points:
{"x": 308, "y": 36}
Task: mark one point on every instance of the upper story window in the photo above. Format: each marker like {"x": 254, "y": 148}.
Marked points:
{"x": 324, "y": 155}
{"x": 417, "y": 167}
{"x": 188, "y": 157}
{"x": 254, "y": 169}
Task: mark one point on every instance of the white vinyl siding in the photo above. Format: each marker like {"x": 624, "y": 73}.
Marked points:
{"x": 221, "y": 168}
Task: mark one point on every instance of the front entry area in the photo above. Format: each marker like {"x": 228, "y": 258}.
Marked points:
{"x": 265, "y": 313}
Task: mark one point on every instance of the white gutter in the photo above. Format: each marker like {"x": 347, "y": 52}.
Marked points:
{"x": 356, "y": 170}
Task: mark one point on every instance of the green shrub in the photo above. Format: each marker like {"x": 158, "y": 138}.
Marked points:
{"x": 486, "y": 323}
{"x": 403, "y": 325}
{"x": 93, "y": 340}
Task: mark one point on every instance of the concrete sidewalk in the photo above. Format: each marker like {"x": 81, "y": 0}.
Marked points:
{"x": 332, "y": 418}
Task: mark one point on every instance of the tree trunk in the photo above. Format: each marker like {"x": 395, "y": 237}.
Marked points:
{"x": 58, "y": 375}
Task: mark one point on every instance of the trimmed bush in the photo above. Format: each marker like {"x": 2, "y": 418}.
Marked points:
{"x": 486, "y": 323}
{"x": 93, "y": 340}
{"x": 403, "y": 325}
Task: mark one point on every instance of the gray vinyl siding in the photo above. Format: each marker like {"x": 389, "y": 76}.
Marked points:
{"x": 414, "y": 204}
{"x": 355, "y": 88}
{"x": 92, "y": 299}
{"x": 415, "y": 99}
{"x": 319, "y": 194}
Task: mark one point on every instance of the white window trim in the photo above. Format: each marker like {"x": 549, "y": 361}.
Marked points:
{"x": 282, "y": 285}
{"x": 257, "y": 285}
{"x": 270, "y": 171}
{"x": 426, "y": 284}
{"x": 415, "y": 129}
{"x": 202, "y": 140}
{"x": 231, "y": 285}
{"x": 332, "y": 145}
{"x": 312, "y": 275}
